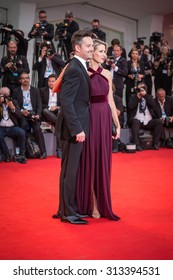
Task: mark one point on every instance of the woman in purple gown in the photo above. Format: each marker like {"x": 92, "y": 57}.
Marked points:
{"x": 93, "y": 183}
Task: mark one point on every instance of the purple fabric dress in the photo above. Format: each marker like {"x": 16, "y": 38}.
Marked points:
{"x": 95, "y": 164}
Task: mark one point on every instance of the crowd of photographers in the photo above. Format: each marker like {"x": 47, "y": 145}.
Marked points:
{"x": 150, "y": 66}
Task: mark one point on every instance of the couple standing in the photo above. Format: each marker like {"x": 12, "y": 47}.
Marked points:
{"x": 85, "y": 127}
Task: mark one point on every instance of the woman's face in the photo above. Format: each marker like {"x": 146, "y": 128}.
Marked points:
{"x": 135, "y": 54}
{"x": 100, "y": 53}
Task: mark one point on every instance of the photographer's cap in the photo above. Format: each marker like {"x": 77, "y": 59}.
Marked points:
{"x": 69, "y": 14}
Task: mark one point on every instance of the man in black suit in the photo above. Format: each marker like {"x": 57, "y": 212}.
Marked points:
{"x": 48, "y": 63}
{"x": 71, "y": 26}
{"x": 97, "y": 31}
{"x": 73, "y": 123}
{"x": 110, "y": 51}
{"x": 42, "y": 31}
{"x": 119, "y": 70}
{"x": 51, "y": 106}
{"x": 29, "y": 101}
{"x": 163, "y": 105}
{"x": 10, "y": 116}
{"x": 142, "y": 115}
{"x": 164, "y": 110}
{"x": 12, "y": 66}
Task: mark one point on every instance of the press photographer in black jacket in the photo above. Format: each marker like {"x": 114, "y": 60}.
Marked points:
{"x": 12, "y": 66}
{"x": 10, "y": 117}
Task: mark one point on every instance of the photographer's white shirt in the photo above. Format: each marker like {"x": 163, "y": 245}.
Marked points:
{"x": 6, "y": 121}
{"x": 26, "y": 99}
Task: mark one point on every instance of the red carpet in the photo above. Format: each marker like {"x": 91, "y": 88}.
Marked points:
{"x": 142, "y": 195}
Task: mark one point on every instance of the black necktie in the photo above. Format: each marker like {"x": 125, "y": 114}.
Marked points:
{"x": 87, "y": 64}
{"x": 142, "y": 105}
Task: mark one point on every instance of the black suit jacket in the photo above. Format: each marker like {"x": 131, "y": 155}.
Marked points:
{"x": 118, "y": 77}
{"x": 14, "y": 116}
{"x": 133, "y": 106}
{"x": 44, "y": 93}
{"x": 73, "y": 27}
{"x": 9, "y": 79}
{"x": 168, "y": 106}
{"x": 35, "y": 99}
{"x": 74, "y": 99}
{"x": 57, "y": 64}
{"x": 49, "y": 28}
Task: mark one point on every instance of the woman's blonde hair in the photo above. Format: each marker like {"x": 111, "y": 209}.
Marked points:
{"x": 97, "y": 42}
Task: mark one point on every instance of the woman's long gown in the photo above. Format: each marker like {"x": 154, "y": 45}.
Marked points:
{"x": 95, "y": 165}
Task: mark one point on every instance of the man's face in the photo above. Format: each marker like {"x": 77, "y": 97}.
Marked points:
{"x": 42, "y": 17}
{"x": 24, "y": 80}
{"x": 95, "y": 25}
{"x": 117, "y": 51}
{"x": 85, "y": 50}
{"x": 161, "y": 96}
{"x": 51, "y": 82}
{"x": 12, "y": 48}
{"x": 70, "y": 19}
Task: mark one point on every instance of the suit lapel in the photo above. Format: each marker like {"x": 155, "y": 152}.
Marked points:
{"x": 83, "y": 69}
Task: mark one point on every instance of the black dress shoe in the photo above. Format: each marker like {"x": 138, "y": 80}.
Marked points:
{"x": 7, "y": 157}
{"x": 138, "y": 148}
{"x": 56, "y": 216}
{"x": 43, "y": 156}
{"x": 74, "y": 221}
{"x": 155, "y": 147}
{"x": 20, "y": 158}
{"x": 115, "y": 150}
{"x": 59, "y": 153}
{"x": 82, "y": 216}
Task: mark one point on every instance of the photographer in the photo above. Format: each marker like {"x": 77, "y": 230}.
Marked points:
{"x": 10, "y": 116}
{"x": 12, "y": 65}
{"x": 163, "y": 70}
{"x": 142, "y": 115}
{"x": 65, "y": 31}
{"x": 22, "y": 43}
{"x": 29, "y": 101}
{"x": 47, "y": 64}
{"x": 42, "y": 31}
{"x": 164, "y": 110}
{"x": 97, "y": 31}
{"x": 118, "y": 69}
{"x": 148, "y": 68}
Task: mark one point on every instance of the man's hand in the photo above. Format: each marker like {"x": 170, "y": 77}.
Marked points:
{"x": 53, "y": 108}
{"x": 80, "y": 137}
{"x": 43, "y": 53}
{"x": 25, "y": 113}
{"x": 10, "y": 104}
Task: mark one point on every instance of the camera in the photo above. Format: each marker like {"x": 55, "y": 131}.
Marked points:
{"x": 4, "y": 98}
{"x": 40, "y": 28}
{"x": 156, "y": 37}
{"x": 6, "y": 34}
{"x": 13, "y": 67}
{"x": 61, "y": 27}
{"x": 49, "y": 52}
{"x": 139, "y": 41}
{"x": 137, "y": 90}
{"x": 167, "y": 121}
{"x": 111, "y": 60}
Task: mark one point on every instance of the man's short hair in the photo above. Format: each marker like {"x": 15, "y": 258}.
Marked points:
{"x": 78, "y": 36}
{"x": 52, "y": 76}
{"x": 96, "y": 20}
{"x": 42, "y": 12}
{"x": 69, "y": 14}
